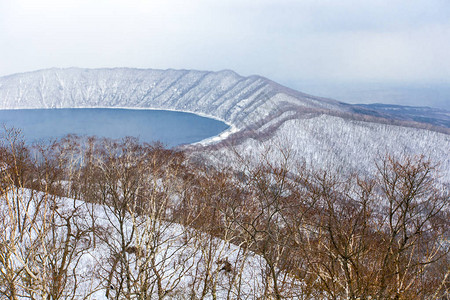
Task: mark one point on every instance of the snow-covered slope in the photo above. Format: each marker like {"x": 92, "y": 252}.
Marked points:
{"x": 321, "y": 131}
{"x": 344, "y": 145}
{"x": 86, "y": 258}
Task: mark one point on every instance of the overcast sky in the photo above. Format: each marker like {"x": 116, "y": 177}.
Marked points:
{"x": 292, "y": 42}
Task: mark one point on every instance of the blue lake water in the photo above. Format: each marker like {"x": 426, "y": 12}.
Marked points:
{"x": 169, "y": 127}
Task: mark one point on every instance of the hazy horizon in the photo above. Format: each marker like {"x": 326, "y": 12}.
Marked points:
{"x": 344, "y": 50}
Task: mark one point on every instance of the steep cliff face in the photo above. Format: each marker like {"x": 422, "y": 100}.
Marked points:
{"x": 319, "y": 131}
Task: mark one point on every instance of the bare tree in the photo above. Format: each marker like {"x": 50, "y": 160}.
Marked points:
{"x": 42, "y": 238}
{"x": 415, "y": 226}
{"x": 381, "y": 237}
{"x": 136, "y": 186}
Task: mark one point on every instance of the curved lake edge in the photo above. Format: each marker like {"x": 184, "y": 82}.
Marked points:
{"x": 205, "y": 142}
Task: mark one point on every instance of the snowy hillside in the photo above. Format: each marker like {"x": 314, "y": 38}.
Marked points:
{"x": 321, "y": 131}
{"x": 178, "y": 255}
{"x": 344, "y": 145}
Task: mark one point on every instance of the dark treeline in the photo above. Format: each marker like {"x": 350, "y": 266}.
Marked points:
{"x": 318, "y": 234}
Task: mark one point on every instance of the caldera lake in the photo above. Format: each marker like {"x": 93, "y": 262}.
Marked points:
{"x": 172, "y": 128}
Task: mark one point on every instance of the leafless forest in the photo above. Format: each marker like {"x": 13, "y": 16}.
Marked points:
{"x": 163, "y": 225}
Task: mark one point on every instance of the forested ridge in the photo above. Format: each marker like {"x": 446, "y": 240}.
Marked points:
{"x": 90, "y": 218}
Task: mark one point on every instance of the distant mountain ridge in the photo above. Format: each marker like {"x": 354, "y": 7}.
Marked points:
{"x": 422, "y": 114}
